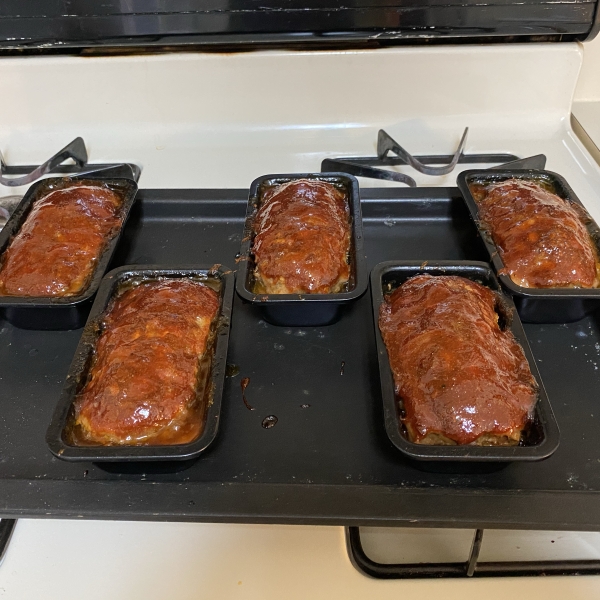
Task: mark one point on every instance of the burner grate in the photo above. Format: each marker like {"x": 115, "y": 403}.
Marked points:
{"x": 470, "y": 568}
{"x": 20, "y": 175}
{"x": 15, "y": 176}
{"x": 369, "y": 166}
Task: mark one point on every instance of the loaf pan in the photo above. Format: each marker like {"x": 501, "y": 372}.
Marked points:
{"x": 535, "y": 305}
{"x": 68, "y": 312}
{"x": 542, "y": 436}
{"x": 57, "y": 436}
{"x": 303, "y": 309}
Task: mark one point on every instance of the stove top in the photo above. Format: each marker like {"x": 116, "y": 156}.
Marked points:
{"x": 219, "y": 120}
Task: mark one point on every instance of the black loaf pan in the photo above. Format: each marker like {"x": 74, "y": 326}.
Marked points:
{"x": 78, "y": 372}
{"x": 68, "y": 312}
{"x": 303, "y": 310}
{"x": 535, "y": 305}
{"x": 542, "y": 437}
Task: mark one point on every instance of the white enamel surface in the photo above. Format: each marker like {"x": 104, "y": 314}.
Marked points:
{"x": 588, "y": 115}
{"x": 588, "y": 84}
{"x": 220, "y": 120}
{"x": 404, "y": 545}
{"x": 71, "y": 560}
{"x": 195, "y": 120}
{"x": 586, "y": 105}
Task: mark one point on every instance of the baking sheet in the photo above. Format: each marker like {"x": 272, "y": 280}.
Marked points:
{"x": 330, "y": 462}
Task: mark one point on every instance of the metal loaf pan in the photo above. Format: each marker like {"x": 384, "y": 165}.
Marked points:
{"x": 67, "y": 312}
{"x": 542, "y": 437}
{"x": 535, "y": 305}
{"x": 303, "y": 309}
{"x": 78, "y": 372}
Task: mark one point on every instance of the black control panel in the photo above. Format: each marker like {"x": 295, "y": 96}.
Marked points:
{"x": 75, "y": 24}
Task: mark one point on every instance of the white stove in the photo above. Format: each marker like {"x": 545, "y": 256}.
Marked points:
{"x": 218, "y": 121}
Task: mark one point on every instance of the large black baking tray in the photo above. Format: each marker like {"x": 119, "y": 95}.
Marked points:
{"x": 68, "y": 312}
{"x": 541, "y": 437}
{"x": 328, "y": 459}
{"x": 552, "y": 305}
{"x": 303, "y": 309}
{"x": 57, "y": 434}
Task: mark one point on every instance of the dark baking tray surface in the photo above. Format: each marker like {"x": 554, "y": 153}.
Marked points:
{"x": 542, "y": 437}
{"x": 535, "y": 305}
{"x": 68, "y": 312}
{"x": 79, "y": 371}
{"x": 331, "y": 462}
{"x": 303, "y": 309}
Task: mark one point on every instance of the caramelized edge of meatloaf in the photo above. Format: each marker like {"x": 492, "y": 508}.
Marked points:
{"x": 561, "y": 239}
{"x": 486, "y": 439}
{"x": 179, "y": 418}
{"x": 437, "y": 403}
{"x": 302, "y": 239}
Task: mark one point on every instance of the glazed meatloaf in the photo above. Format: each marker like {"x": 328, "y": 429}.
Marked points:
{"x": 302, "y": 239}
{"x": 541, "y": 238}
{"x": 145, "y": 376}
{"x": 57, "y": 247}
{"x": 461, "y": 379}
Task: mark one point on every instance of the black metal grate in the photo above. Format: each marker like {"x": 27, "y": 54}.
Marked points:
{"x": 16, "y": 176}
{"x": 430, "y": 164}
{"x": 470, "y": 568}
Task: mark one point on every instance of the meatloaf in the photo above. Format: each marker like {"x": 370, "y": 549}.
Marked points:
{"x": 302, "y": 239}
{"x": 541, "y": 237}
{"x": 460, "y": 377}
{"x": 144, "y": 380}
{"x": 57, "y": 247}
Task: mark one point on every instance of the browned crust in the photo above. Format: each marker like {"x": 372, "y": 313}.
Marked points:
{"x": 143, "y": 381}
{"x": 461, "y": 378}
{"x": 542, "y": 238}
{"x": 302, "y": 239}
{"x": 487, "y": 439}
{"x": 56, "y": 250}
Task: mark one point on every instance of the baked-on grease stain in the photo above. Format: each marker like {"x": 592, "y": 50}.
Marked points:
{"x": 232, "y": 370}
{"x": 244, "y": 384}
{"x": 270, "y": 421}
{"x": 305, "y": 406}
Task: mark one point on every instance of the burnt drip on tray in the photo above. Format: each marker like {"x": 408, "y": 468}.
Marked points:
{"x": 232, "y": 370}
{"x": 244, "y": 384}
{"x": 269, "y": 422}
